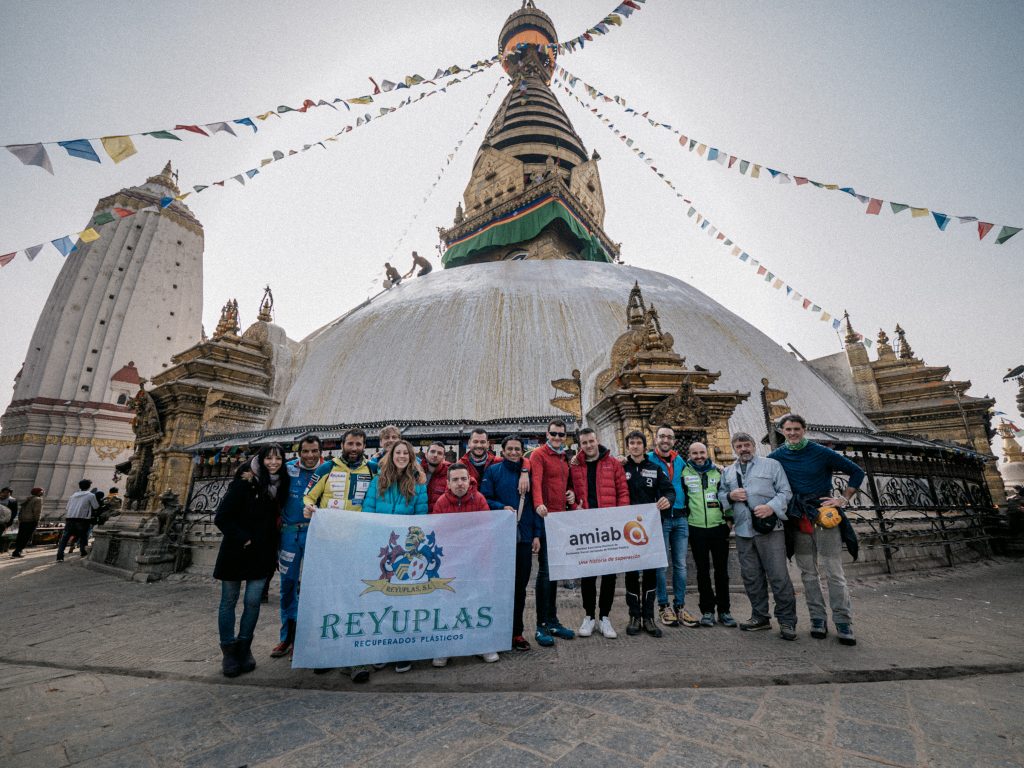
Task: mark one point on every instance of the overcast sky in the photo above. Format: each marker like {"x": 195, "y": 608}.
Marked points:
{"x": 915, "y": 102}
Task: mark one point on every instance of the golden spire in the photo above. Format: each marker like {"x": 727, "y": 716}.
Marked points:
{"x": 266, "y": 305}
{"x": 852, "y": 337}
{"x": 228, "y": 323}
{"x": 884, "y": 348}
{"x": 166, "y": 178}
{"x": 906, "y": 353}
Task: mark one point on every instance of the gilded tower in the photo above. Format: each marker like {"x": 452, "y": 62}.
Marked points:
{"x": 534, "y": 193}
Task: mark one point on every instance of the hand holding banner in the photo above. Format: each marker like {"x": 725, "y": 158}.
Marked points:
{"x": 385, "y": 588}
{"x": 592, "y": 542}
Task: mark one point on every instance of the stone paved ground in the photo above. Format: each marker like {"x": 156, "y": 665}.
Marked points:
{"x": 99, "y": 672}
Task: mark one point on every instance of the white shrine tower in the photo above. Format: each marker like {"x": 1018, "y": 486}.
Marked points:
{"x": 121, "y": 306}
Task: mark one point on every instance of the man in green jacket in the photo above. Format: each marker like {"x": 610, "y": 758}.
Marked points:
{"x": 709, "y": 535}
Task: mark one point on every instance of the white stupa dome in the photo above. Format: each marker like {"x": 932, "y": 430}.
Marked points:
{"x": 483, "y": 342}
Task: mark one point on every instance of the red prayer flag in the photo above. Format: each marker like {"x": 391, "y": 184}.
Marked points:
{"x": 732, "y": 160}
{"x": 193, "y": 128}
{"x": 7, "y": 258}
{"x": 800, "y": 180}
{"x": 807, "y": 303}
{"x": 761, "y": 270}
{"x": 874, "y": 206}
{"x": 122, "y": 212}
{"x": 983, "y": 229}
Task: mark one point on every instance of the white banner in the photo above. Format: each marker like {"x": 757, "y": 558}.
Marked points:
{"x": 592, "y": 542}
{"x": 381, "y": 588}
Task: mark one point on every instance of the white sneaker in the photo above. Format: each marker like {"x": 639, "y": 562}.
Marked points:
{"x": 440, "y": 662}
{"x": 587, "y": 627}
{"x": 402, "y": 667}
{"x": 605, "y": 627}
{"x": 490, "y": 658}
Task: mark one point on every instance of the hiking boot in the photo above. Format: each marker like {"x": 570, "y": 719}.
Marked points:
{"x": 605, "y": 628}
{"x": 544, "y": 638}
{"x": 555, "y": 628}
{"x": 634, "y": 627}
{"x": 359, "y": 674}
{"x": 819, "y": 629}
{"x": 707, "y": 620}
{"x": 246, "y": 660}
{"x": 726, "y": 619}
{"x": 229, "y": 665}
{"x": 520, "y": 643}
{"x": 753, "y": 624}
{"x": 667, "y": 616}
{"x": 587, "y": 627}
{"x": 441, "y": 661}
{"x": 491, "y": 657}
{"x": 787, "y": 631}
{"x": 650, "y": 627}
{"x": 685, "y": 618}
{"x": 844, "y": 633}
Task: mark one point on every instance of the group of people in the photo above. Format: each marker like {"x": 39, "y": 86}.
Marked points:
{"x": 777, "y": 507}
{"x": 393, "y": 277}
{"x": 86, "y": 508}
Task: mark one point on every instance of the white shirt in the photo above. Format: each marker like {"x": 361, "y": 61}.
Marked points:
{"x": 81, "y": 505}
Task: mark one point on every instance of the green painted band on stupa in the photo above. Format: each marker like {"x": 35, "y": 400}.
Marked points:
{"x": 523, "y": 225}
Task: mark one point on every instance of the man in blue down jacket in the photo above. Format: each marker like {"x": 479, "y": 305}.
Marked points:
{"x": 500, "y": 487}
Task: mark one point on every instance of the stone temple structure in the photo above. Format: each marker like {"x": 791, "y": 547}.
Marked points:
{"x": 120, "y": 308}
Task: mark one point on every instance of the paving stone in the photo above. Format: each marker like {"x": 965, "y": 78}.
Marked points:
{"x": 502, "y": 755}
{"x": 50, "y": 756}
{"x": 589, "y": 756}
{"x": 894, "y": 744}
{"x": 262, "y": 744}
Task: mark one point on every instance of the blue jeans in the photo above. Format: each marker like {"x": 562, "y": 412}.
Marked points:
{"x": 545, "y": 590}
{"x": 229, "y": 592}
{"x": 289, "y": 565}
{"x": 676, "y": 530}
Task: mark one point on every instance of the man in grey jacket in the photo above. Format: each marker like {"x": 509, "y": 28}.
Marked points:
{"x": 758, "y": 492}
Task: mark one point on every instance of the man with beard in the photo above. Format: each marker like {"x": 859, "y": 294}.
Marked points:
{"x": 294, "y": 525}
{"x": 436, "y": 470}
{"x": 342, "y": 483}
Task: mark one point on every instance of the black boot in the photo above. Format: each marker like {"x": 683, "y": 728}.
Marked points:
{"x": 650, "y": 627}
{"x": 246, "y": 661}
{"x": 633, "y": 603}
{"x": 229, "y": 666}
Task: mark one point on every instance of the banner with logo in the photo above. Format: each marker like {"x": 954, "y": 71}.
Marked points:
{"x": 592, "y": 542}
{"x": 383, "y": 588}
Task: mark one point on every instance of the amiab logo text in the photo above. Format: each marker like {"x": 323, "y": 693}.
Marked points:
{"x": 633, "y": 532}
{"x": 412, "y": 569}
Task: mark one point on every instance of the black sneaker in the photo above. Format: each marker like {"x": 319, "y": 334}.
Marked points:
{"x": 787, "y": 631}
{"x": 844, "y": 633}
{"x": 753, "y": 624}
{"x": 520, "y": 643}
{"x": 634, "y": 627}
{"x": 819, "y": 629}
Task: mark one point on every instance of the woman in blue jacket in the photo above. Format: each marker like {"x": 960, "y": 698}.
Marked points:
{"x": 397, "y": 490}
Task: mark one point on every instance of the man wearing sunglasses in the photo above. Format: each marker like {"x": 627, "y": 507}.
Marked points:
{"x": 550, "y": 486}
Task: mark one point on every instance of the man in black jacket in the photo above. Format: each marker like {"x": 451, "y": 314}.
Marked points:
{"x": 648, "y": 484}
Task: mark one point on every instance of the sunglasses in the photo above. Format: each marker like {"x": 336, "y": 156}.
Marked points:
{"x": 557, "y": 434}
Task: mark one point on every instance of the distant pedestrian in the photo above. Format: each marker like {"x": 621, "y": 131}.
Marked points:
{"x": 247, "y": 516}
{"x": 422, "y": 263}
{"x": 393, "y": 278}
{"x": 78, "y": 518}
{"x": 28, "y": 519}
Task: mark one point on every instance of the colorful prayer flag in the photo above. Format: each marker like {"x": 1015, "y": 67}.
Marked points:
{"x": 918, "y": 212}
{"x": 246, "y": 121}
{"x": 193, "y": 128}
{"x": 1006, "y": 233}
{"x": 33, "y": 251}
{"x": 102, "y": 218}
{"x": 32, "y": 154}
{"x": 64, "y": 245}
{"x": 7, "y": 258}
{"x": 118, "y": 147}
{"x": 941, "y": 220}
{"x": 874, "y": 206}
{"x": 80, "y": 148}
{"x": 162, "y": 135}
{"x": 89, "y": 235}
{"x": 983, "y": 229}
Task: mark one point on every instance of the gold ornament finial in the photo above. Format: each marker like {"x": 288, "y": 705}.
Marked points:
{"x": 906, "y": 353}
{"x": 266, "y": 306}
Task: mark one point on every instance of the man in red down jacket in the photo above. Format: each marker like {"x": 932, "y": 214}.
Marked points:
{"x": 480, "y": 456}
{"x": 600, "y": 481}
{"x": 549, "y": 483}
{"x": 461, "y": 494}
{"x": 436, "y": 469}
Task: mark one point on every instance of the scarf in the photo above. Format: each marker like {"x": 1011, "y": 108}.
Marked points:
{"x": 798, "y": 446}
{"x": 273, "y": 481}
{"x": 702, "y": 468}
{"x": 556, "y": 450}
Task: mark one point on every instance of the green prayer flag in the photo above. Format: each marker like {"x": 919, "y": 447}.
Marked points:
{"x": 103, "y": 218}
{"x": 162, "y": 135}
{"x": 898, "y": 207}
{"x": 1006, "y": 233}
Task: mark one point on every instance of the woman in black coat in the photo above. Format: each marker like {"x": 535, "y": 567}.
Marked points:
{"x": 247, "y": 516}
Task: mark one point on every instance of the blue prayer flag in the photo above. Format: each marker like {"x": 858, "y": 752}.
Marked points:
{"x": 64, "y": 245}
{"x": 80, "y": 148}
{"x": 247, "y": 121}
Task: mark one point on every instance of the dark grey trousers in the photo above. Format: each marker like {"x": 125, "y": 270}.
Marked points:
{"x": 763, "y": 562}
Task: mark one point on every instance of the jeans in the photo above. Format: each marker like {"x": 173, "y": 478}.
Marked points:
{"x": 289, "y": 565}
{"x": 229, "y": 592}
{"x": 675, "y": 530}
{"x": 25, "y": 531}
{"x": 711, "y": 545}
{"x": 762, "y": 563}
{"x": 823, "y": 548}
{"x": 588, "y": 586}
{"x": 524, "y": 563}
{"x": 77, "y": 527}
{"x": 545, "y": 590}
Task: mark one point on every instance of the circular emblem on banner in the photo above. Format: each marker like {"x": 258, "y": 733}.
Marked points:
{"x": 635, "y": 533}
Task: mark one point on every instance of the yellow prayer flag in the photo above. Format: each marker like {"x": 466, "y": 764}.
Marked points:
{"x": 777, "y": 284}
{"x": 265, "y": 115}
{"x": 825, "y": 316}
{"x": 832, "y": 186}
{"x": 89, "y": 235}
{"x": 756, "y": 172}
{"x": 736, "y": 251}
{"x": 266, "y": 161}
{"x": 183, "y": 196}
{"x": 701, "y": 149}
{"x": 918, "y": 212}
{"x": 118, "y": 147}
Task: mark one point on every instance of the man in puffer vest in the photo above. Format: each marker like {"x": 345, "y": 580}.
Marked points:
{"x": 600, "y": 481}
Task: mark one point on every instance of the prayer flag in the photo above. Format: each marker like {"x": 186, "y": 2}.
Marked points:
{"x": 784, "y": 178}
{"x": 874, "y": 206}
{"x": 7, "y": 258}
{"x": 941, "y": 220}
{"x": 193, "y": 128}
{"x": 166, "y": 201}
{"x": 240, "y": 179}
{"x": 103, "y": 218}
{"x": 983, "y": 229}
{"x": 918, "y": 212}
{"x": 246, "y": 121}
{"x": 118, "y": 147}
{"x": 789, "y": 290}
{"x": 800, "y": 180}
{"x": 1006, "y": 233}
{"x": 761, "y": 270}
{"x": 756, "y": 173}
{"x": 777, "y": 284}
{"x": 32, "y": 154}
{"x": 252, "y": 172}
{"x": 754, "y": 262}
{"x": 80, "y": 148}
{"x": 797, "y": 295}
{"x": 732, "y": 160}
{"x": 282, "y": 109}
{"x": 89, "y": 235}
{"x": 33, "y": 251}
{"x": 200, "y": 187}
{"x": 736, "y": 251}
{"x": 64, "y": 245}
{"x": 122, "y": 212}
{"x": 898, "y": 207}
{"x": 806, "y": 303}
{"x": 361, "y": 100}
{"x": 773, "y": 172}
{"x": 967, "y": 219}
{"x": 701, "y": 148}
{"x": 744, "y": 164}
{"x": 712, "y": 153}
{"x": 835, "y": 323}
{"x": 267, "y": 115}
{"x": 162, "y": 135}
{"x": 218, "y": 127}
{"x": 815, "y": 308}
{"x": 744, "y": 256}
{"x": 868, "y": 343}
